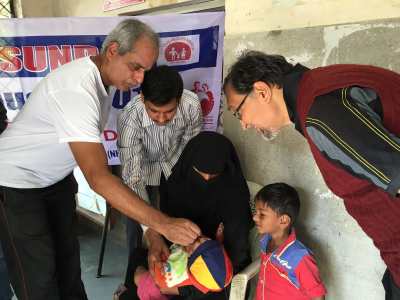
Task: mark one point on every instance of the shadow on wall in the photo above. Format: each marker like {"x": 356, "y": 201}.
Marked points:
{"x": 324, "y": 260}
{"x": 349, "y": 262}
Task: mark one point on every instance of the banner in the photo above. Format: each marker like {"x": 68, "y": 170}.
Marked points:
{"x": 190, "y": 43}
{"x": 31, "y": 48}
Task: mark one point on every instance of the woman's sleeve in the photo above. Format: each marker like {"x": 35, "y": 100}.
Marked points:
{"x": 163, "y": 205}
{"x": 189, "y": 291}
{"x": 237, "y": 221}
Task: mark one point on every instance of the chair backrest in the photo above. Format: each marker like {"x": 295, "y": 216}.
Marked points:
{"x": 246, "y": 280}
{"x": 253, "y": 239}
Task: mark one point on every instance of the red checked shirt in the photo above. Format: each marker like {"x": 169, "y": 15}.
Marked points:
{"x": 288, "y": 273}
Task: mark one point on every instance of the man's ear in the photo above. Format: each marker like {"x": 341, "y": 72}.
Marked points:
{"x": 112, "y": 49}
{"x": 262, "y": 91}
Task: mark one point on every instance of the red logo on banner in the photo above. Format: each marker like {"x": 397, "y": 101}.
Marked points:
{"x": 178, "y": 50}
{"x": 206, "y": 97}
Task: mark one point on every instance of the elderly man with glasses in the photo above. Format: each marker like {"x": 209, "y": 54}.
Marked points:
{"x": 349, "y": 117}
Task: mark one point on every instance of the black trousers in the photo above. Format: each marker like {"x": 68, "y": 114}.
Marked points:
{"x": 38, "y": 234}
{"x": 137, "y": 257}
{"x": 134, "y": 231}
{"x": 391, "y": 289}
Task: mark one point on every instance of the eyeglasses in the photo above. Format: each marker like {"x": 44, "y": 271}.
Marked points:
{"x": 237, "y": 113}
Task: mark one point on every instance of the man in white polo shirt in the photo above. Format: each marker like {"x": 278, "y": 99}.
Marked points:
{"x": 58, "y": 128}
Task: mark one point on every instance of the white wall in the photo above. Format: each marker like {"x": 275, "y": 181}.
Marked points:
{"x": 264, "y": 15}
{"x": 90, "y": 8}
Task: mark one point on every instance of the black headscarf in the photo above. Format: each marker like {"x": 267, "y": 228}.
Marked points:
{"x": 223, "y": 199}
{"x": 3, "y": 117}
{"x": 209, "y": 152}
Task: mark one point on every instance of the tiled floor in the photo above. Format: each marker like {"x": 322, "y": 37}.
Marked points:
{"x": 115, "y": 261}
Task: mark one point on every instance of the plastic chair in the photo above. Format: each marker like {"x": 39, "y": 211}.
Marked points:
{"x": 240, "y": 281}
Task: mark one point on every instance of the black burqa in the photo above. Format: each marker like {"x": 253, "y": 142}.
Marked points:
{"x": 223, "y": 199}
{"x": 3, "y": 117}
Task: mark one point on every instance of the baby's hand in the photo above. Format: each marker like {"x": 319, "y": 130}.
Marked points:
{"x": 192, "y": 247}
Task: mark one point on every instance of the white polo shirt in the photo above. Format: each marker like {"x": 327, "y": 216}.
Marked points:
{"x": 69, "y": 105}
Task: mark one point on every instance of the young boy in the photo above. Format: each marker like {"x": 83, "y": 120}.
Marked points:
{"x": 288, "y": 269}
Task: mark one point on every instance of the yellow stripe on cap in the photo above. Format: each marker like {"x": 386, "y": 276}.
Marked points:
{"x": 201, "y": 273}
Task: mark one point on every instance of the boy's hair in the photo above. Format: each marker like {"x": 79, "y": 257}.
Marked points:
{"x": 161, "y": 85}
{"x": 253, "y": 66}
{"x": 281, "y": 198}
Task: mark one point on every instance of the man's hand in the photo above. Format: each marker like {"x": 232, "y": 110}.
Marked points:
{"x": 92, "y": 160}
{"x": 158, "y": 250}
{"x": 180, "y": 231}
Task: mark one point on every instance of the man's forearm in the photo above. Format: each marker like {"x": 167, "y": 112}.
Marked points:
{"x": 125, "y": 200}
{"x": 92, "y": 160}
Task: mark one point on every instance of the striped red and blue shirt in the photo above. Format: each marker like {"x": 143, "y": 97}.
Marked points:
{"x": 288, "y": 273}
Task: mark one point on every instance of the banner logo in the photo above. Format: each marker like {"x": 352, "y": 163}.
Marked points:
{"x": 205, "y": 95}
{"x": 178, "y": 51}
{"x": 183, "y": 50}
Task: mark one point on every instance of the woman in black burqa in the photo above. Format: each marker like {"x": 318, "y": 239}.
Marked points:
{"x": 207, "y": 186}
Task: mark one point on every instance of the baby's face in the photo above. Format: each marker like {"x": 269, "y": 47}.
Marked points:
{"x": 192, "y": 247}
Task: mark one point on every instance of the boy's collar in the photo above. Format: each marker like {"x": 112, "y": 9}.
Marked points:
{"x": 264, "y": 241}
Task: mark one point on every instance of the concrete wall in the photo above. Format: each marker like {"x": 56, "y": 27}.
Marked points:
{"x": 242, "y": 16}
{"x": 94, "y": 8}
{"x": 37, "y": 8}
{"x": 67, "y": 8}
{"x": 257, "y": 16}
{"x": 350, "y": 264}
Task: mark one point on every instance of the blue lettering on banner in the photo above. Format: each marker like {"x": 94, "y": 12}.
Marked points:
{"x": 121, "y": 99}
{"x": 112, "y": 154}
{"x": 13, "y": 101}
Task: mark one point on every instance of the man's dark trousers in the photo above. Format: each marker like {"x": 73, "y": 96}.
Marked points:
{"x": 38, "y": 232}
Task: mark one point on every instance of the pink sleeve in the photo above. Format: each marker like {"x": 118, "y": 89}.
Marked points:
{"x": 310, "y": 281}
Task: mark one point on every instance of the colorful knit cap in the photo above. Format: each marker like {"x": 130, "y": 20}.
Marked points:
{"x": 210, "y": 268}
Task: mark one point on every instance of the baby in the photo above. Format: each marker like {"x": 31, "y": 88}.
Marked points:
{"x": 203, "y": 264}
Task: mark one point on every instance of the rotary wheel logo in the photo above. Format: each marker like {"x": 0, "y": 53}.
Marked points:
{"x": 206, "y": 97}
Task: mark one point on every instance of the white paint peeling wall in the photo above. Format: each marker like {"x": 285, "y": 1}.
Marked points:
{"x": 94, "y": 8}
{"x": 90, "y": 8}
{"x": 351, "y": 265}
{"x": 257, "y": 16}
{"x": 333, "y": 35}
